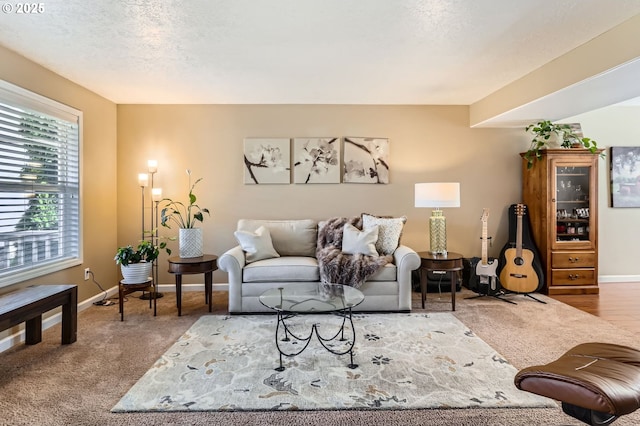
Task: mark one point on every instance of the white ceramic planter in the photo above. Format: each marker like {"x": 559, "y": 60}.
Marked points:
{"x": 136, "y": 273}
{"x": 190, "y": 242}
{"x": 555, "y": 140}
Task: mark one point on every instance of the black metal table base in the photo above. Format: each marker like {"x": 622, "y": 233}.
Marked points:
{"x": 339, "y": 336}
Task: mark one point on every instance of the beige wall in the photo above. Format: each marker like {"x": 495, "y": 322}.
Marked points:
{"x": 428, "y": 143}
{"x": 618, "y": 227}
{"x": 98, "y": 171}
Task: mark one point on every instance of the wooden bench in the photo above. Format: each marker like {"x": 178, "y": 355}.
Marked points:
{"x": 28, "y": 304}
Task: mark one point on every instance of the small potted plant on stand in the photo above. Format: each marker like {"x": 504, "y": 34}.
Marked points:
{"x": 555, "y": 135}
{"x": 136, "y": 264}
{"x": 190, "y": 240}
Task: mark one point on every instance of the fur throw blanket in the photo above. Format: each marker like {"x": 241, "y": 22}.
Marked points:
{"x": 342, "y": 268}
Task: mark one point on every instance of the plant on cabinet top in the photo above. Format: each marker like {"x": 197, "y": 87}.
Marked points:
{"x": 545, "y": 134}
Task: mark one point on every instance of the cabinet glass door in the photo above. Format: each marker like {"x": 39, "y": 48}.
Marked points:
{"x": 573, "y": 204}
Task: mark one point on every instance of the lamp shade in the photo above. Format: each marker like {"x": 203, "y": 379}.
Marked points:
{"x": 152, "y": 166}
{"x": 156, "y": 194}
{"x": 437, "y": 194}
{"x": 143, "y": 179}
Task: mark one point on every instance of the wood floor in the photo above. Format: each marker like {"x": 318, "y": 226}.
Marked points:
{"x": 618, "y": 303}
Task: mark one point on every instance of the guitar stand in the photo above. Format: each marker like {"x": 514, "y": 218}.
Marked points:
{"x": 527, "y": 295}
{"x": 496, "y": 296}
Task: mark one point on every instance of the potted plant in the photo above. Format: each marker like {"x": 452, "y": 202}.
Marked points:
{"x": 135, "y": 264}
{"x": 546, "y": 134}
{"x": 185, "y": 217}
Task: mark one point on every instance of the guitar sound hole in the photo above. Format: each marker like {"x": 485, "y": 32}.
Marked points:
{"x": 518, "y": 261}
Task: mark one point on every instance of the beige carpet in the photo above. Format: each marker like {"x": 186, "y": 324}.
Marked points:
{"x": 50, "y": 384}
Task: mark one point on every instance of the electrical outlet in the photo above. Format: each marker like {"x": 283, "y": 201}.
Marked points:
{"x": 86, "y": 273}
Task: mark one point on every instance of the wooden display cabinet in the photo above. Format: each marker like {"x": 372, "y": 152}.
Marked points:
{"x": 561, "y": 194}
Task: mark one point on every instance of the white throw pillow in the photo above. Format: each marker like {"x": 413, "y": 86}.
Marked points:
{"x": 389, "y": 233}
{"x": 355, "y": 241}
{"x": 258, "y": 245}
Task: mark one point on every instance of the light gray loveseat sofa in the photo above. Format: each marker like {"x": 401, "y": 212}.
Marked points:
{"x": 295, "y": 243}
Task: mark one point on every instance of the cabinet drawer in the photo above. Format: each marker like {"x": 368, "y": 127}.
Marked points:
{"x": 567, "y": 259}
{"x": 573, "y": 277}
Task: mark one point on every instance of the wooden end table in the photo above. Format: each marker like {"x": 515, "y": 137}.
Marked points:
{"x": 205, "y": 264}
{"x": 450, "y": 262}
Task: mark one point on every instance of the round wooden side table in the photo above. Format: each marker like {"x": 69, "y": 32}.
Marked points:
{"x": 205, "y": 264}
{"x": 450, "y": 262}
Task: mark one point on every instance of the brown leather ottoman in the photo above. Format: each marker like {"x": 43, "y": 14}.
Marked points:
{"x": 596, "y": 382}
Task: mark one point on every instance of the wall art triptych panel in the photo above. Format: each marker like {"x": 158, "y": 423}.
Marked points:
{"x": 366, "y": 160}
{"x": 316, "y": 160}
{"x": 267, "y": 160}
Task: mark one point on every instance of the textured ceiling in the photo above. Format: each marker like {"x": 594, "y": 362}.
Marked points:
{"x": 304, "y": 51}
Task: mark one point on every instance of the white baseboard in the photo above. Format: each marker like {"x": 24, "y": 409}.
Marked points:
{"x": 602, "y": 279}
{"x": 192, "y": 287}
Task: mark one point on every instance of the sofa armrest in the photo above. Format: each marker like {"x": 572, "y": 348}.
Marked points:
{"x": 406, "y": 260}
{"x": 232, "y": 262}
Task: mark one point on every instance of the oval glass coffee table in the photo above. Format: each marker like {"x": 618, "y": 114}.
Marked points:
{"x": 314, "y": 298}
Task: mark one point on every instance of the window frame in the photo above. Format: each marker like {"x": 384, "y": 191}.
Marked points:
{"x": 22, "y": 98}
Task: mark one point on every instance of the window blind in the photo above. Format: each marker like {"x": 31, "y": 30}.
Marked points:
{"x": 39, "y": 185}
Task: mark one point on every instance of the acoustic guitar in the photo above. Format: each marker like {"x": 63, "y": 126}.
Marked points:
{"x": 485, "y": 269}
{"x": 518, "y": 274}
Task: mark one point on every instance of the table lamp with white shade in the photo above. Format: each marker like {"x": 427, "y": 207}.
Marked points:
{"x": 437, "y": 195}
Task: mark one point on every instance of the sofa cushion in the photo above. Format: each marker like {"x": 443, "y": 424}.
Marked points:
{"x": 389, "y": 233}
{"x": 387, "y": 273}
{"x": 289, "y": 237}
{"x": 287, "y": 268}
{"x": 373, "y": 289}
{"x": 256, "y": 245}
{"x": 355, "y": 241}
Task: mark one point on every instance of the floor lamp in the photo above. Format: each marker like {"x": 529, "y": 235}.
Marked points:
{"x": 143, "y": 181}
{"x": 437, "y": 195}
{"x": 156, "y": 196}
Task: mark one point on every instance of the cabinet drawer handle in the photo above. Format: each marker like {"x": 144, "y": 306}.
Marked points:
{"x": 572, "y": 260}
{"x": 574, "y": 276}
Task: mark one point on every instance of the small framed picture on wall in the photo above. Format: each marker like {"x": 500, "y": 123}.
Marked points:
{"x": 625, "y": 176}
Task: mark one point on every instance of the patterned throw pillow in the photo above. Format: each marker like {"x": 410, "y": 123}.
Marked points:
{"x": 389, "y": 233}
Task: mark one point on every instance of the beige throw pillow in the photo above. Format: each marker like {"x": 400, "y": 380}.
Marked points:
{"x": 355, "y": 241}
{"x": 389, "y": 233}
{"x": 257, "y": 245}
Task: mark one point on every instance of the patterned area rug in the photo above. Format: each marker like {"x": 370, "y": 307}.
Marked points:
{"x": 406, "y": 361}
